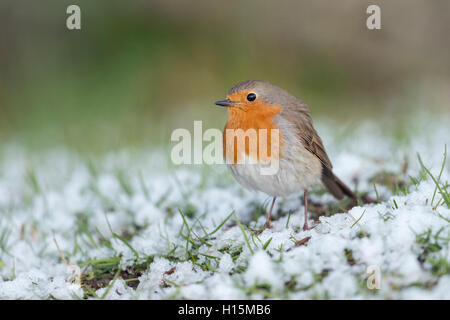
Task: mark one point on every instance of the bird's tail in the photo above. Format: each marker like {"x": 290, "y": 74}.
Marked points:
{"x": 335, "y": 185}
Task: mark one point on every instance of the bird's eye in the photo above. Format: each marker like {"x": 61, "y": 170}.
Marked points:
{"x": 251, "y": 97}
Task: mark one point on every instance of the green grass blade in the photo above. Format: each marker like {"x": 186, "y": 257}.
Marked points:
{"x": 245, "y": 235}
{"x": 440, "y": 173}
{"x": 358, "y": 219}
{"x": 443, "y": 193}
{"x": 220, "y": 225}
{"x": 115, "y": 235}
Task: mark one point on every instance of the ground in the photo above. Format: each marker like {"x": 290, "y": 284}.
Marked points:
{"x": 128, "y": 225}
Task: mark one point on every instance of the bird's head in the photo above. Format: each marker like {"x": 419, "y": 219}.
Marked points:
{"x": 254, "y": 96}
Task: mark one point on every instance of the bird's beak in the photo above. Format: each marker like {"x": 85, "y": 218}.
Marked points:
{"x": 225, "y": 103}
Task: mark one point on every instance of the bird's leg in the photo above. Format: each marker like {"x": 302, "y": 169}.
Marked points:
{"x": 269, "y": 215}
{"x": 267, "y": 225}
{"x": 305, "y": 195}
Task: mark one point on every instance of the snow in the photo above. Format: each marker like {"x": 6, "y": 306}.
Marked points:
{"x": 80, "y": 207}
{"x": 261, "y": 270}
{"x": 226, "y": 263}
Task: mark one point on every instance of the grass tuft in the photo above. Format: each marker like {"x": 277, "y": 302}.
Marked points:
{"x": 442, "y": 189}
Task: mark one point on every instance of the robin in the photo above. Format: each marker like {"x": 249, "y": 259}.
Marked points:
{"x": 301, "y": 157}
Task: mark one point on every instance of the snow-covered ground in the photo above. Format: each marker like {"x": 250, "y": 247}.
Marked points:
{"x": 117, "y": 219}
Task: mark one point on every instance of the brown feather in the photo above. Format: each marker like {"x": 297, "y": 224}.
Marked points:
{"x": 335, "y": 185}
{"x": 298, "y": 113}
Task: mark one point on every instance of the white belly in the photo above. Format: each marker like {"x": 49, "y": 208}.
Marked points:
{"x": 298, "y": 170}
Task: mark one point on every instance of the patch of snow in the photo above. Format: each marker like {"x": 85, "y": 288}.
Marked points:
{"x": 136, "y": 196}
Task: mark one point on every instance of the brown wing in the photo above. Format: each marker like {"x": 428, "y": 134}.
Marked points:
{"x": 313, "y": 144}
{"x": 300, "y": 117}
{"x": 308, "y": 136}
{"x": 298, "y": 114}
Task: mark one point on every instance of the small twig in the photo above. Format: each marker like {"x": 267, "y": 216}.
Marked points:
{"x": 59, "y": 250}
{"x": 76, "y": 273}
{"x": 172, "y": 270}
{"x": 302, "y": 242}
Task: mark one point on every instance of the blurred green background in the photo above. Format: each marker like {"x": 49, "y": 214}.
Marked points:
{"x": 138, "y": 69}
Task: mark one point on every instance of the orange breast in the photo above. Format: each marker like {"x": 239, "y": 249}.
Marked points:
{"x": 256, "y": 117}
